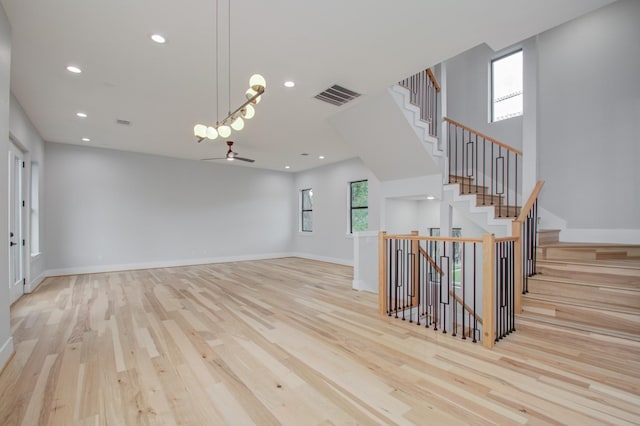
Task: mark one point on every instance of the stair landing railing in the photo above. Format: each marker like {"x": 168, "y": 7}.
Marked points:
{"x": 459, "y": 286}
{"x": 525, "y": 229}
{"x": 484, "y": 166}
{"x": 424, "y": 89}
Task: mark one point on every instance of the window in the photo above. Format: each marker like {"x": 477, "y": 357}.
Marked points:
{"x": 35, "y": 209}
{"x": 359, "y": 206}
{"x": 457, "y": 253}
{"x": 506, "y": 86}
{"x": 306, "y": 210}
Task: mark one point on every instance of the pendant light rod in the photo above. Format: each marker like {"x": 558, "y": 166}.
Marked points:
{"x": 251, "y": 100}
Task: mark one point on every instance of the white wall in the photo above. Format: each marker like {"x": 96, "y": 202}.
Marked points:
{"x": 404, "y": 216}
{"x": 589, "y": 109}
{"x": 468, "y": 94}
{"x": 110, "y": 210}
{"x": 6, "y": 341}
{"x": 329, "y": 240}
{"x": 27, "y": 137}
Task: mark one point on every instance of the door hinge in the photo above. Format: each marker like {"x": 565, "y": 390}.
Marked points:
{"x": 22, "y": 203}
{"x": 22, "y": 243}
{"x": 23, "y": 164}
{"x": 24, "y": 282}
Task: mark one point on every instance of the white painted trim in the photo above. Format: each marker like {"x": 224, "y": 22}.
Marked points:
{"x": 621, "y": 236}
{"x": 360, "y": 285}
{"x": 34, "y": 283}
{"x": 160, "y": 264}
{"x": 335, "y": 260}
{"x": 5, "y": 352}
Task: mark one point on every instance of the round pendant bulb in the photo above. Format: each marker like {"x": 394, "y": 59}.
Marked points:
{"x": 257, "y": 82}
{"x": 248, "y": 112}
{"x": 224, "y": 131}
{"x": 237, "y": 124}
{"x": 212, "y": 133}
{"x": 200, "y": 131}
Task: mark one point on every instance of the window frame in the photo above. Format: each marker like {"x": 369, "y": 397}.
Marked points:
{"x": 352, "y": 208}
{"x": 303, "y": 210}
{"x": 34, "y": 207}
{"x": 492, "y": 102}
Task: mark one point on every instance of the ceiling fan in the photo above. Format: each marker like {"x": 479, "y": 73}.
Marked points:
{"x": 231, "y": 155}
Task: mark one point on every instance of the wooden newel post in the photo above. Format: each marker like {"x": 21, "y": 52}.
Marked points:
{"x": 488, "y": 290}
{"x": 382, "y": 273}
{"x": 415, "y": 250}
{"x": 516, "y": 232}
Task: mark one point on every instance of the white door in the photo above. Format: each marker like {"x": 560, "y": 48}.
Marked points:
{"x": 16, "y": 223}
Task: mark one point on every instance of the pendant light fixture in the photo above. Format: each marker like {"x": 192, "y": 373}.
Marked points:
{"x": 234, "y": 120}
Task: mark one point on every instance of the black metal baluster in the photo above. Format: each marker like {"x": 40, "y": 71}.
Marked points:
{"x": 463, "y": 267}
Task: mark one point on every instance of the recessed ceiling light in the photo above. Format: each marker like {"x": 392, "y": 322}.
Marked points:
{"x": 86, "y": 140}
{"x": 430, "y": 197}
{"x": 289, "y": 83}
{"x": 321, "y": 157}
{"x": 74, "y": 69}
{"x": 287, "y": 167}
{"x": 158, "y": 39}
{"x": 81, "y": 114}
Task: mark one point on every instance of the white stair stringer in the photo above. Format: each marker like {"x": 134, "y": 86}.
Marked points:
{"x": 483, "y": 216}
{"x": 402, "y": 97}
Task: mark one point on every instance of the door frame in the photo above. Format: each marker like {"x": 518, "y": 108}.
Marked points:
{"x": 15, "y": 151}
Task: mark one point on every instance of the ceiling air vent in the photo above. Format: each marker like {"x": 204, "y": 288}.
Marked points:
{"x": 123, "y": 122}
{"x": 337, "y": 95}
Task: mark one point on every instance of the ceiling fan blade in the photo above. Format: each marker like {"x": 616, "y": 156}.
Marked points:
{"x": 248, "y": 160}
{"x": 209, "y": 159}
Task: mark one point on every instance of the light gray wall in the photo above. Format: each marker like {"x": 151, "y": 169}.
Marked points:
{"x": 404, "y": 216}
{"x": 6, "y": 345}
{"x": 589, "y": 109}
{"x": 468, "y": 95}
{"x": 329, "y": 240}
{"x": 109, "y": 209}
{"x": 27, "y": 137}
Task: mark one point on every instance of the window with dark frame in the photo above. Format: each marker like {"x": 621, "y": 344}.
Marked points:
{"x": 359, "y": 206}
{"x": 457, "y": 253}
{"x": 306, "y": 210}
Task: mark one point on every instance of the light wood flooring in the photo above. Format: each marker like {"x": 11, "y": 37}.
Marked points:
{"x": 287, "y": 341}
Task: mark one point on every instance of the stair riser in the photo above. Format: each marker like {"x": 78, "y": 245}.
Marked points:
{"x": 617, "y": 322}
{"x": 548, "y": 236}
{"x": 585, "y": 253}
{"x": 608, "y": 297}
{"x": 627, "y": 278}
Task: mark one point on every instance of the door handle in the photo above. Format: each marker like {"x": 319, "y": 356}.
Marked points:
{"x": 11, "y": 244}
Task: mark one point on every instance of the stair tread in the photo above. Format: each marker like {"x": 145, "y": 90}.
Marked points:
{"x": 553, "y": 278}
{"x": 563, "y": 300}
{"x": 535, "y": 318}
{"x": 563, "y": 244}
{"x": 616, "y": 263}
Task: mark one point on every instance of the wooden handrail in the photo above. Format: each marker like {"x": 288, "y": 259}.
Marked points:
{"x": 466, "y": 308}
{"x": 424, "y": 238}
{"x": 529, "y": 204}
{"x": 430, "y": 260}
{"x": 433, "y": 79}
{"x": 482, "y": 135}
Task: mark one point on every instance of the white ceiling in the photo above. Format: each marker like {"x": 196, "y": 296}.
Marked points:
{"x": 165, "y": 89}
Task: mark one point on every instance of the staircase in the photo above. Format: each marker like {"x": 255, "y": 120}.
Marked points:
{"x": 594, "y": 288}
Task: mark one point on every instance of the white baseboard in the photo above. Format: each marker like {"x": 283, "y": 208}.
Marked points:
{"x": 160, "y": 264}
{"x": 620, "y": 236}
{"x": 5, "y": 352}
{"x": 34, "y": 283}
{"x": 345, "y": 262}
{"x": 361, "y": 285}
